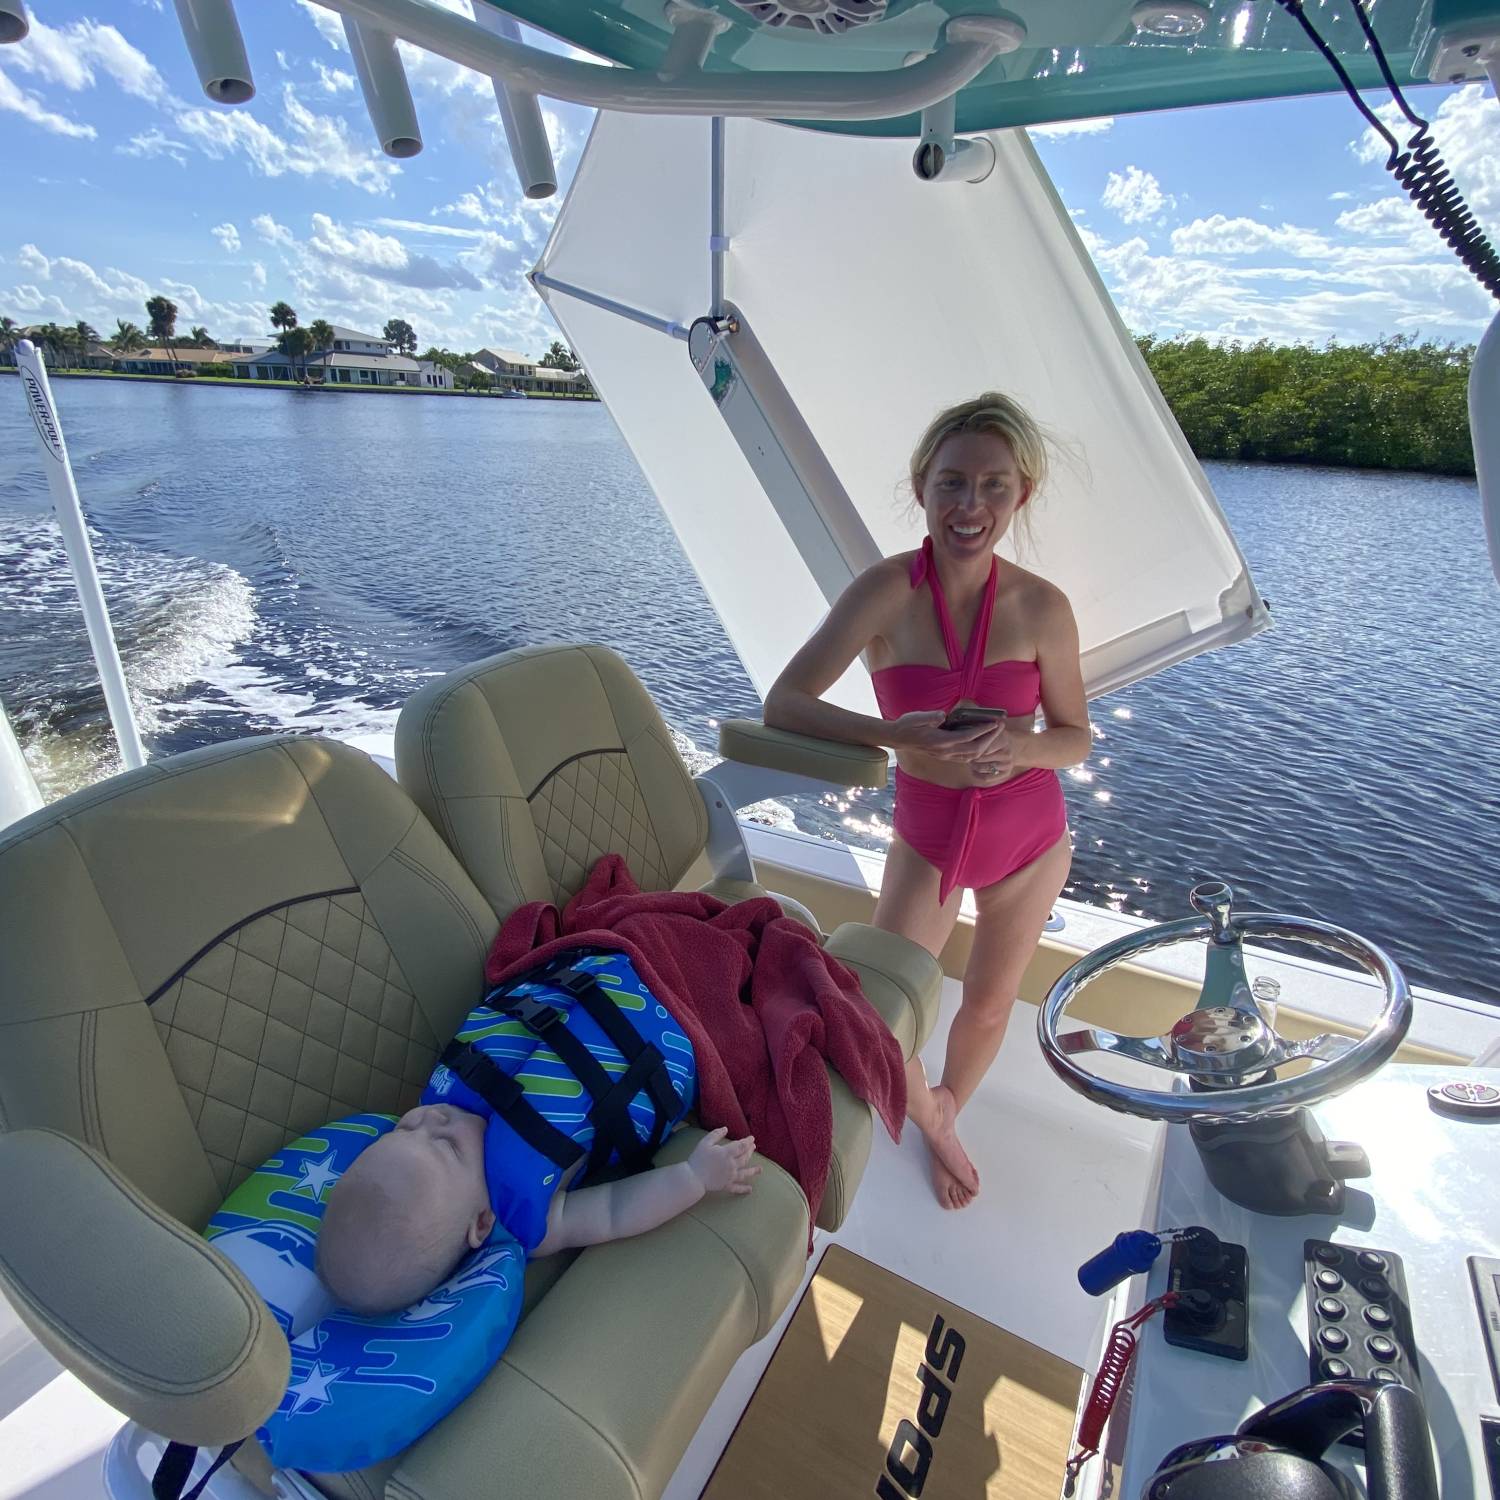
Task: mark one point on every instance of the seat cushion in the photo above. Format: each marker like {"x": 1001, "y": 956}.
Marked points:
{"x": 533, "y": 763}
{"x": 203, "y": 958}
{"x": 605, "y": 1383}
{"x": 900, "y": 978}
{"x": 727, "y": 889}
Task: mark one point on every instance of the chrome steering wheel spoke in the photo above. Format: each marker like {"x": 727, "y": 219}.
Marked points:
{"x": 1326, "y": 1047}
{"x": 1152, "y": 1050}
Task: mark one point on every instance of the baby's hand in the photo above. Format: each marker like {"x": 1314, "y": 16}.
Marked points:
{"x": 722, "y": 1165}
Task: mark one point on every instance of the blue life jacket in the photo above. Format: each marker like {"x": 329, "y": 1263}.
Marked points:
{"x": 575, "y": 1060}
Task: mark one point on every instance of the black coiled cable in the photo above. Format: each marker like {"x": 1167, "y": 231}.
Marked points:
{"x": 1418, "y": 168}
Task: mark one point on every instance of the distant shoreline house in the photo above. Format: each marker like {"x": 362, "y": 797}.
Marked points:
{"x": 353, "y": 358}
{"x": 159, "y": 362}
{"x": 506, "y": 368}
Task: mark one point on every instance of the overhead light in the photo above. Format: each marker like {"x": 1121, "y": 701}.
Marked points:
{"x": 1169, "y": 18}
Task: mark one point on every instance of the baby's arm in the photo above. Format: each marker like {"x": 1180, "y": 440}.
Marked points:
{"x": 616, "y": 1210}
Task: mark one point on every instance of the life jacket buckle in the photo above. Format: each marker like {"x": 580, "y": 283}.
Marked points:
{"x": 534, "y": 1014}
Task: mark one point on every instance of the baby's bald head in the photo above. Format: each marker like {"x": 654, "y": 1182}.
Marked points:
{"x": 399, "y": 1219}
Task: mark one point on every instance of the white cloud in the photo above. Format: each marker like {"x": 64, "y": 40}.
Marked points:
{"x": 1385, "y": 218}
{"x": 1466, "y": 128}
{"x": 1220, "y": 235}
{"x": 385, "y": 258}
{"x": 319, "y": 145}
{"x": 74, "y": 55}
{"x": 268, "y": 229}
{"x": 228, "y": 236}
{"x": 75, "y": 289}
{"x": 155, "y": 142}
{"x": 257, "y": 274}
{"x": 1096, "y": 126}
{"x": 1343, "y": 291}
{"x": 1136, "y": 196}
{"x": 29, "y": 258}
{"x": 36, "y": 306}
{"x": 23, "y": 102}
{"x": 422, "y": 226}
{"x": 67, "y": 273}
{"x": 334, "y": 80}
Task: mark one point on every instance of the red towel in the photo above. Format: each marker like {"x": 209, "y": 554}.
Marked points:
{"x": 759, "y": 999}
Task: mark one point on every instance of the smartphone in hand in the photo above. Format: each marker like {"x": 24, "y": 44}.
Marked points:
{"x": 969, "y": 718}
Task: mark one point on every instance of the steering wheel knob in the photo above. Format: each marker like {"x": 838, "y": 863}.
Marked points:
{"x": 1221, "y": 1041}
{"x": 1214, "y": 900}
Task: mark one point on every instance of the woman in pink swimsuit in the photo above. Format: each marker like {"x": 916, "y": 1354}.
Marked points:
{"x": 980, "y": 807}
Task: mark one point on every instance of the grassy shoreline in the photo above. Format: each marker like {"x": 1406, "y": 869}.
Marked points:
{"x": 296, "y": 385}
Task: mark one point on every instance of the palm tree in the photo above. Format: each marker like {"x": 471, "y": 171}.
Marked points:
{"x": 52, "y": 339}
{"x": 11, "y": 334}
{"x": 128, "y": 339}
{"x": 201, "y": 339}
{"x": 321, "y": 334}
{"x": 162, "y": 313}
{"x": 283, "y": 317}
{"x": 296, "y": 344}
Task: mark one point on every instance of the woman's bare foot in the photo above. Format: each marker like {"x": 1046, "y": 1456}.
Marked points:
{"x": 954, "y": 1177}
{"x": 951, "y": 1193}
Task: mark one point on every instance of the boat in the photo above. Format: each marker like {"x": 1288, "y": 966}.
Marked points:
{"x": 1238, "y": 1202}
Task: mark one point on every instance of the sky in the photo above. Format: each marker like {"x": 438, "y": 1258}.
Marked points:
{"x": 118, "y": 179}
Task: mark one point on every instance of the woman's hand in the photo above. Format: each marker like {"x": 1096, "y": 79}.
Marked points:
{"x": 922, "y": 730}
{"x": 994, "y": 765}
{"x": 723, "y": 1165}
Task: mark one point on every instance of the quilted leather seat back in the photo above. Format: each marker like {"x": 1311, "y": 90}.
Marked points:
{"x": 202, "y": 959}
{"x": 533, "y": 763}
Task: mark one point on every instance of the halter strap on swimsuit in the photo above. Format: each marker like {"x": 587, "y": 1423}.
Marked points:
{"x": 970, "y": 664}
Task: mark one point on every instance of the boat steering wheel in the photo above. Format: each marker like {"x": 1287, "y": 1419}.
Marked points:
{"x": 1224, "y": 1047}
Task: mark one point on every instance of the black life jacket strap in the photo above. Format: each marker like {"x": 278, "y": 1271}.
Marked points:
{"x": 508, "y": 1099}
{"x": 615, "y": 1133}
{"x": 176, "y": 1467}
{"x": 646, "y": 1071}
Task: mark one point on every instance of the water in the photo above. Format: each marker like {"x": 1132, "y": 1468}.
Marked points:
{"x": 274, "y": 561}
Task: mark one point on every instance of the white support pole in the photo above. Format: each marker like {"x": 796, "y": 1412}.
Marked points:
{"x": 1484, "y": 426}
{"x": 718, "y": 241}
{"x": 80, "y": 554}
{"x": 520, "y": 114}
{"x": 18, "y": 793}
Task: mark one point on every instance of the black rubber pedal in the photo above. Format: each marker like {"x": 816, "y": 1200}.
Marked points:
{"x": 1213, "y": 1283}
{"x": 1358, "y": 1316}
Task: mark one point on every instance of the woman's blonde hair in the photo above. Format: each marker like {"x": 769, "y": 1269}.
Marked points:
{"x": 996, "y": 414}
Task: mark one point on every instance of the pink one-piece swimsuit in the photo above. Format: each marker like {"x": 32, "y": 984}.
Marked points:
{"x": 974, "y": 835}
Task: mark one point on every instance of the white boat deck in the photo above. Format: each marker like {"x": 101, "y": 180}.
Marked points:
{"x": 1060, "y": 1178}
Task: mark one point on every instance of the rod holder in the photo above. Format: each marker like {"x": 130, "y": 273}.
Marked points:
{"x": 13, "y": 20}
{"x": 520, "y": 115}
{"x": 382, "y": 80}
{"x": 218, "y": 50}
